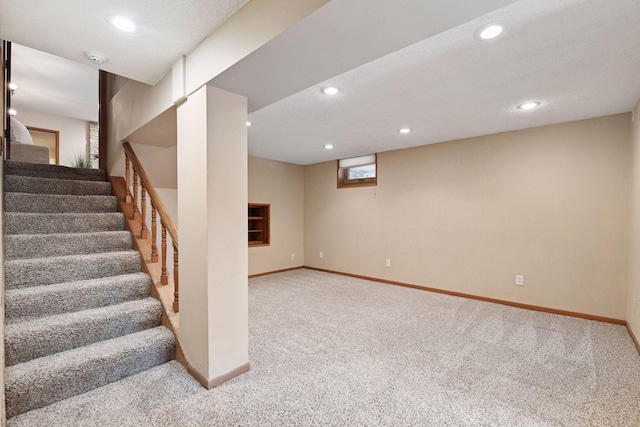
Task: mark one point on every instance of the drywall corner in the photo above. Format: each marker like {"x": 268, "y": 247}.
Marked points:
{"x": 281, "y": 185}
{"x": 633, "y": 285}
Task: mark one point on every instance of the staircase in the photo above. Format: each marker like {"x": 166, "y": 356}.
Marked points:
{"x": 78, "y": 310}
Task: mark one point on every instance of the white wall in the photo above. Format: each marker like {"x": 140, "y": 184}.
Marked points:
{"x": 74, "y": 134}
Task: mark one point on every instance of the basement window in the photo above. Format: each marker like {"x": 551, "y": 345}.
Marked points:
{"x": 358, "y": 171}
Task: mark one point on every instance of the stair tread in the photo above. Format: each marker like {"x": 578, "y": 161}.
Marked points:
{"x": 171, "y": 377}
{"x": 30, "y": 184}
{"x": 21, "y": 273}
{"x": 56, "y": 223}
{"x": 52, "y": 334}
{"x": 39, "y": 170}
{"x": 39, "y": 382}
{"x": 25, "y": 304}
{"x": 22, "y": 246}
{"x": 58, "y": 203}
{"x": 96, "y": 256}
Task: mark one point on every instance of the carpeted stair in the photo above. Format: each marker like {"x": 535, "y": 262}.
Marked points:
{"x": 78, "y": 311}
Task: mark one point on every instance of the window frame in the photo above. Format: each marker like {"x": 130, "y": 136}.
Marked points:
{"x": 343, "y": 173}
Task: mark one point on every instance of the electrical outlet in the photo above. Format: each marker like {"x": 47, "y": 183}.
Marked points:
{"x": 520, "y": 280}
{"x": 387, "y": 262}
{"x": 293, "y": 256}
{"x": 321, "y": 254}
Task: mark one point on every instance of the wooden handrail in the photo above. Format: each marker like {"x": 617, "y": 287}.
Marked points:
{"x": 151, "y": 191}
{"x": 157, "y": 207}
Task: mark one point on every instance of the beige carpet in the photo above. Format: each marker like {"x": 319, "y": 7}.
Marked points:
{"x": 331, "y": 350}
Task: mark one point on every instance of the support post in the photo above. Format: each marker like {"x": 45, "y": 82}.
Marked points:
{"x": 212, "y": 219}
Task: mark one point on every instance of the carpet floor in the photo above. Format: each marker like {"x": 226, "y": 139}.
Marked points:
{"x": 332, "y": 350}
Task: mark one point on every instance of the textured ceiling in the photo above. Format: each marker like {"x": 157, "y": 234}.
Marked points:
{"x": 167, "y": 29}
{"x": 340, "y": 36}
{"x": 409, "y": 63}
{"x": 45, "y": 85}
{"x": 579, "y": 61}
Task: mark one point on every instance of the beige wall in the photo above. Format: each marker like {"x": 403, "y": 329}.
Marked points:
{"x": 548, "y": 203}
{"x": 74, "y": 134}
{"x": 282, "y": 186}
{"x": 633, "y": 291}
{"x": 131, "y": 107}
{"x": 160, "y": 163}
{"x": 212, "y": 222}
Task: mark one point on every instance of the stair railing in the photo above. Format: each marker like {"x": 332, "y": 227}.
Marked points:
{"x": 141, "y": 179}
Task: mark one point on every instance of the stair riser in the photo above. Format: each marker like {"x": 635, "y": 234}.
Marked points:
{"x": 47, "y": 271}
{"x": 31, "y": 303}
{"x": 34, "y": 223}
{"x": 26, "y": 184}
{"x": 41, "y": 382}
{"x": 38, "y": 245}
{"x": 53, "y": 171}
{"x": 30, "y": 340}
{"x": 54, "y": 203}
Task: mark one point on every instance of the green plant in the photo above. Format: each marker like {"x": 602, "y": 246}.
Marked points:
{"x": 81, "y": 160}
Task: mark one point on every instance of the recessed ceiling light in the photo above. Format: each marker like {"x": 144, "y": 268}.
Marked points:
{"x": 488, "y": 32}
{"x": 404, "y": 130}
{"x": 249, "y": 123}
{"x": 12, "y": 112}
{"x": 328, "y": 146}
{"x": 529, "y": 105}
{"x": 330, "y": 90}
{"x": 122, "y": 23}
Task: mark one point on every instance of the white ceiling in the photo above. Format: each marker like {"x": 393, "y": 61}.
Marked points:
{"x": 340, "y": 36}
{"x": 167, "y": 29}
{"x": 407, "y": 63}
{"x": 53, "y": 85}
{"x": 580, "y": 58}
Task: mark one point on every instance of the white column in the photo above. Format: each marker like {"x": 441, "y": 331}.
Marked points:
{"x": 212, "y": 224}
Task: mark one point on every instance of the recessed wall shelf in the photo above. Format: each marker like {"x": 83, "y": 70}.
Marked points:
{"x": 259, "y": 224}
